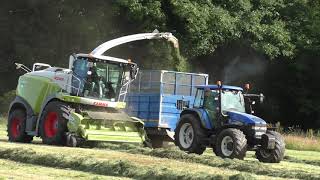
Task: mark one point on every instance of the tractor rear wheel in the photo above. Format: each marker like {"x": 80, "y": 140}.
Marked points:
{"x": 189, "y": 135}
{"x": 17, "y": 126}
{"x": 231, "y": 143}
{"x": 272, "y": 155}
{"x": 54, "y": 123}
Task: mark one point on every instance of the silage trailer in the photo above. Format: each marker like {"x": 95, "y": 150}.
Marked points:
{"x": 158, "y": 96}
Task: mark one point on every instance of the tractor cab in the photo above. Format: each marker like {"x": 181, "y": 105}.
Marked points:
{"x": 225, "y": 105}
{"x": 101, "y": 77}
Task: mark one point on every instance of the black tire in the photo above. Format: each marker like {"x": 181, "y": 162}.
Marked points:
{"x": 17, "y": 126}
{"x": 235, "y": 148}
{"x": 53, "y": 125}
{"x": 158, "y": 141}
{"x": 272, "y": 155}
{"x": 197, "y": 145}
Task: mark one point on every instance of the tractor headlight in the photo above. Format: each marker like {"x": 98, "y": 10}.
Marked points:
{"x": 259, "y": 130}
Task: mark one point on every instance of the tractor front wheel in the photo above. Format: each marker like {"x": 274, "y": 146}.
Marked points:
{"x": 189, "y": 135}
{"x": 17, "y": 126}
{"x": 231, "y": 143}
{"x": 54, "y": 123}
{"x": 272, "y": 155}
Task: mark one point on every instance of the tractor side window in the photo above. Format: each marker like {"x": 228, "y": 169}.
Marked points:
{"x": 198, "y": 101}
{"x": 210, "y": 102}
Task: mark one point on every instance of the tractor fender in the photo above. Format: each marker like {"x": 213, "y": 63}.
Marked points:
{"x": 202, "y": 116}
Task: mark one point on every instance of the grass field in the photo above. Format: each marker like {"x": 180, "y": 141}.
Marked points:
{"x": 112, "y": 161}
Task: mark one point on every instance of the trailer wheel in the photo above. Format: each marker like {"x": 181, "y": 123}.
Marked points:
{"x": 189, "y": 135}
{"x": 54, "y": 123}
{"x": 158, "y": 141}
{"x": 231, "y": 143}
{"x": 17, "y": 126}
{"x": 272, "y": 155}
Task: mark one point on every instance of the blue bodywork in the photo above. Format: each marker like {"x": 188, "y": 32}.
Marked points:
{"x": 234, "y": 117}
{"x": 154, "y": 94}
{"x": 240, "y": 118}
{"x": 157, "y": 106}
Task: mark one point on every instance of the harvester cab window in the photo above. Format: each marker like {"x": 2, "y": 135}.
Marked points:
{"x": 103, "y": 80}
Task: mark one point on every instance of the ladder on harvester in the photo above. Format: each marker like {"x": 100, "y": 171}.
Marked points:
{"x": 124, "y": 90}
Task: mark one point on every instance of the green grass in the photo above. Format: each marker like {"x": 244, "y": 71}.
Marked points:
{"x": 16, "y": 170}
{"x": 132, "y": 161}
{"x": 112, "y": 163}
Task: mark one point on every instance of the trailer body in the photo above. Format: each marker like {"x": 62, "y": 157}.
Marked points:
{"x": 158, "y": 96}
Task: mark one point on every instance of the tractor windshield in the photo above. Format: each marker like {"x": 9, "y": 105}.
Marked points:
{"x": 232, "y": 100}
{"x": 99, "y": 80}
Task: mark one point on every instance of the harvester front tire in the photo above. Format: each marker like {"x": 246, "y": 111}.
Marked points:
{"x": 273, "y": 155}
{"x": 231, "y": 143}
{"x": 54, "y": 123}
{"x": 17, "y": 126}
{"x": 189, "y": 135}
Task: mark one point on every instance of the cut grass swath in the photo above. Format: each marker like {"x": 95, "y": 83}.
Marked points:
{"x": 254, "y": 167}
{"x": 111, "y": 168}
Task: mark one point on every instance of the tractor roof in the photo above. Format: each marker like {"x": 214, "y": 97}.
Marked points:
{"x": 214, "y": 87}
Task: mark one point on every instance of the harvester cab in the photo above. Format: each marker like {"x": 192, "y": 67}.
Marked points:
{"x": 218, "y": 119}
{"x": 66, "y": 106}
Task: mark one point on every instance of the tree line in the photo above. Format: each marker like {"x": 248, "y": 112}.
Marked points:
{"x": 272, "y": 44}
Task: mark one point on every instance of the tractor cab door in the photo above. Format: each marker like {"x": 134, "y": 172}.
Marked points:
{"x": 211, "y": 105}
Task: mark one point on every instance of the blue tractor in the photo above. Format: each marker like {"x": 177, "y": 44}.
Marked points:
{"x": 219, "y": 118}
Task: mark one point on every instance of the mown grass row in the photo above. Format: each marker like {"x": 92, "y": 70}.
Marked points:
{"x": 304, "y": 161}
{"x": 119, "y": 168}
{"x": 254, "y": 167}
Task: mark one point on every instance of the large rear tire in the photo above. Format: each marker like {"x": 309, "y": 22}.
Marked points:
{"x": 54, "y": 123}
{"x": 17, "y": 126}
{"x": 272, "y": 155}
{"x": 189, "y": 135}
{"x": 231, "y": 143}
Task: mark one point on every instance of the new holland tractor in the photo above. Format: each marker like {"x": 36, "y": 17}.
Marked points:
{"x": 67, "y": 106}
{"x": 218, "y": 119}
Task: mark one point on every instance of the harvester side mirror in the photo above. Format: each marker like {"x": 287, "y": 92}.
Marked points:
{"x": 261, "y": 98}
{"x": 72, "y": 58}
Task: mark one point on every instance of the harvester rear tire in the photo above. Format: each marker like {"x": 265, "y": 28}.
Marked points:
{"x": 231, "y": 143}
{"x": 273, "y": 155}
{"x": 17, "y": 126}
{"x": 197, "y": 144}
{"x": 54, "y": 123}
